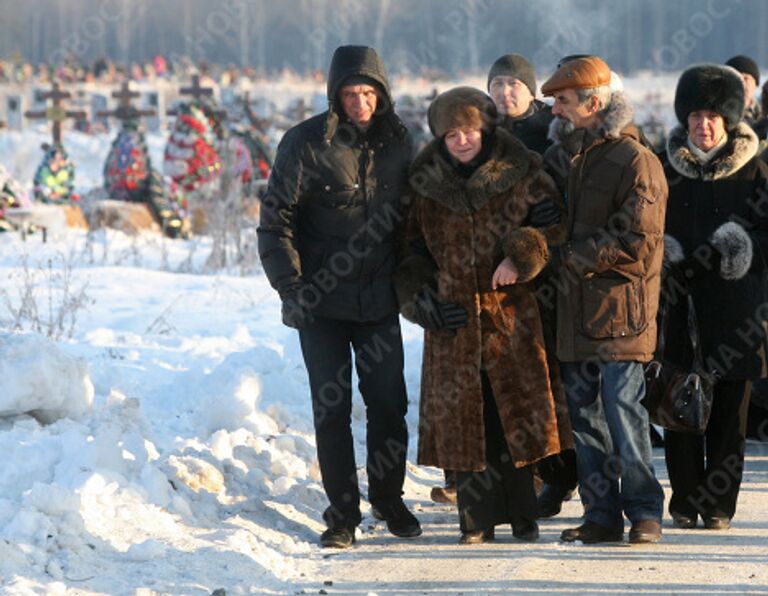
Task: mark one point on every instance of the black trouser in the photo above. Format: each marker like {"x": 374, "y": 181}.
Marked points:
{"x": 559, "y": 470}
{"x": 501, "y": 493}
{"x": 757, "y": 416}
{"x": 705, "y": 470}
{"x": 378, "y": 350}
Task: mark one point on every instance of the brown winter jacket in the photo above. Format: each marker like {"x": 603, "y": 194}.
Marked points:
{"x": 610, "y": 280}
{"x": 458, "y": 231}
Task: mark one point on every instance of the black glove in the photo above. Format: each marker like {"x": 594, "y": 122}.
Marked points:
{"x": 435, "y": 315}
{"x": 543, "y": 214}
{"x": 298, "y": 302}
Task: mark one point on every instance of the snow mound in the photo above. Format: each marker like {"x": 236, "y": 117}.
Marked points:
{"x": 228, "y": 397}
{"x": 146, "y": 551}
{"x": 38, "y": 378}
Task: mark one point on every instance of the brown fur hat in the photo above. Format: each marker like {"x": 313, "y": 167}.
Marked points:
{"x": 461, "y": 107}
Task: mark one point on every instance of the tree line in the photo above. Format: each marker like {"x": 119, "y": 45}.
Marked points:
{"x": 437, "y": 37}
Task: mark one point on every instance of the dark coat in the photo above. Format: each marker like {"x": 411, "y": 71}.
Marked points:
{"x": 761, "y": 128}
{"x": 730, "y": 312}
{"x": 558, "y": 156}
{"x": 458, "y": 231}
{"x": 334, "y": 203}
{"x": 532, "y": 128}
{"x": 752, "y": 114}
{"x": 610, "y": 279}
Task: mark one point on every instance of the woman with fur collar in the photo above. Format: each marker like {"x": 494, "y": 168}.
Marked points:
{"x": 491, "y": 398}
{"x": 716, "y": 238}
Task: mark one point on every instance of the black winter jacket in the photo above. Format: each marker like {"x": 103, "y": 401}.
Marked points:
{"x": 533, "y": 127}
{"x": 333, "y": 204}
{"x": 730, "y": 312}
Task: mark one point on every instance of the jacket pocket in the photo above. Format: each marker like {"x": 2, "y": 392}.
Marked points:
{"x": 338, "y": 196}
{"x": 312, "y": 259}
{"x": 613, "y": 307}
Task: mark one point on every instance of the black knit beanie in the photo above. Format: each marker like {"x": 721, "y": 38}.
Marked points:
{"x": 746, "y": 65}
{"x": 515, "y": 66}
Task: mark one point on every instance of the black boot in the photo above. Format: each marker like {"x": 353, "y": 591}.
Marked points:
{"x": 400, "y": 521}
{"x": 340, "y": 537}
{"x": 477, "y": 536}
{"x": 526, "y": 530}
{"x": 551, "y": 498}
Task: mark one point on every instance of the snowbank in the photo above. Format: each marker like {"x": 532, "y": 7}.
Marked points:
{"x": 38, "y": 378}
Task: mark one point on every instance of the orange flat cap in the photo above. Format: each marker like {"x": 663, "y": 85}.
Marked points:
{"x": 581, "y": 73}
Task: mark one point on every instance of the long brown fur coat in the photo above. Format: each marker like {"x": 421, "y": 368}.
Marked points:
{"x": 458, "y": 231}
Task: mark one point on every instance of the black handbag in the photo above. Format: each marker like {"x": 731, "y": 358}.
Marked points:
{"x": 678, "y": 398}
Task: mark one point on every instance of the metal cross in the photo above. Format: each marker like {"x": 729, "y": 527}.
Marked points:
{"x": 56, "y": 112}
{"x": 197, "y": 92}
{"x": 125, "y": 111}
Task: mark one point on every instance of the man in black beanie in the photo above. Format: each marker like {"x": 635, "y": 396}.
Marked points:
{"x": 750, "y": 74}
{"x": 512, "y": 86}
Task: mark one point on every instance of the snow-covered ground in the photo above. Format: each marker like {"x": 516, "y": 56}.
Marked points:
{"x": 162, "y": 444}
{"x": 177, "y": 454}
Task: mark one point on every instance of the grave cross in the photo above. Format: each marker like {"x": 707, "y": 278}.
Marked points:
{"x": 248, "y": 110}
{"x": 197, "y": 91}
{"x": 56, "y": 112}
{"x": 125, "y": 111}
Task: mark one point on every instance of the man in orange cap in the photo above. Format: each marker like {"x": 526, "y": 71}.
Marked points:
{"x": 609, "y": 271}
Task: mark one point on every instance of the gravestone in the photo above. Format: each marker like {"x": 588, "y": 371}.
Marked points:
{"x": 227, "y": 96}
{"x": 99, "y": 105}
{"x": 153, "y": 100}
{"x": 39, "y": 100}
{"x": 14, "y": 111}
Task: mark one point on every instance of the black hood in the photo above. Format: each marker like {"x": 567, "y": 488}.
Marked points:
{"x": 349, "y": 61}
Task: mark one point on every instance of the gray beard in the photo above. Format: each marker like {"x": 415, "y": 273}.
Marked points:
{"x": 567, "y": 126}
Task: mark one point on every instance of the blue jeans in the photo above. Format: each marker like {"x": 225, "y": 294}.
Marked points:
{"x": 613, "y": 447}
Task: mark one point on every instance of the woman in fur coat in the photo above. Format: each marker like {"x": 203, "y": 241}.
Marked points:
{"x": 716, "y": 245}
{"x": 491, "y": 398}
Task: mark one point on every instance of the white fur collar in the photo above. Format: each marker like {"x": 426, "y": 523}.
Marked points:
{"x": 615, "y": 117}
{"x": 613, "y": 120}
{"x": 741, "y": 147}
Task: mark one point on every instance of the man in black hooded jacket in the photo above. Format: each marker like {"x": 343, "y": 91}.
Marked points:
{"x": 327, "y": 241}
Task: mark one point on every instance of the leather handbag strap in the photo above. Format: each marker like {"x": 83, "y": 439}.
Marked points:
{"x": 693, "y": 331}
{"x": 693, "y": 335}
{"x": 663, "y": 320}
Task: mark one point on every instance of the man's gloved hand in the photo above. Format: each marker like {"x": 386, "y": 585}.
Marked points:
{"x": 298, "y": 302}
{"x": 543, "y": 214}
{"x": 434, "y": 315}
